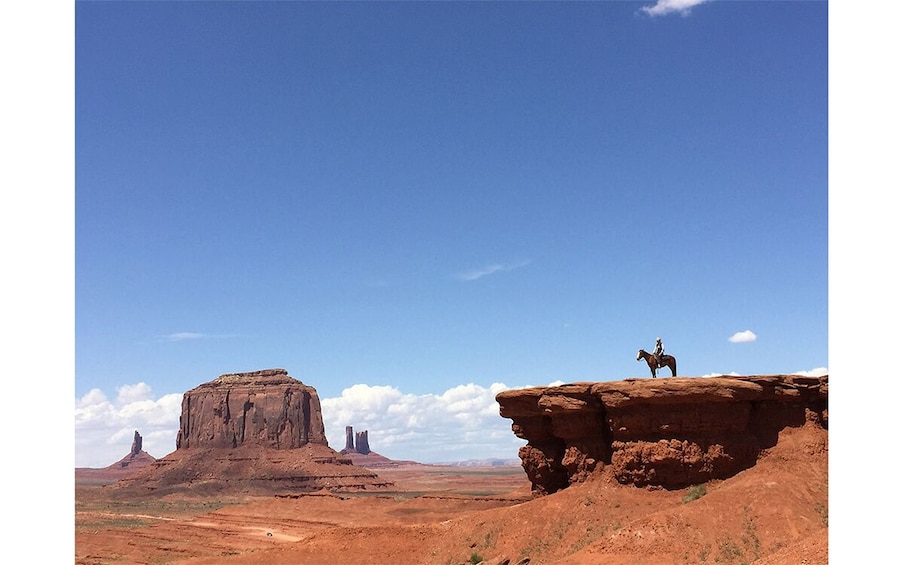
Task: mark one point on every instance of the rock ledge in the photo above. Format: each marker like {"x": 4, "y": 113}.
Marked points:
{"x": 671, "y": 432}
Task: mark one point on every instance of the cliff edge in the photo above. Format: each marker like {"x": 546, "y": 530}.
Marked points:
{"x": 671, "y": 432}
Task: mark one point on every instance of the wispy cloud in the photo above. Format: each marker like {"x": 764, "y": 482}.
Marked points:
{"x": 183, "y": 336}
{"x": 745, "y": 336}
{"x": 666, "y": 7}
{"x": 190, "y": 336}
{"x": 476, "y": 274}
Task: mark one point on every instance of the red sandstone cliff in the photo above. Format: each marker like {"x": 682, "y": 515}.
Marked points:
{"x": 267, "y": 408}
{"x": 671, "y": 432}
{"x": 257, "y": 431}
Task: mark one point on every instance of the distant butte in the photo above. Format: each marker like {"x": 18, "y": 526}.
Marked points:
{"x": 133, "y": 462}
{"x": 357, "y": 448}
{"x": 266, "y": 408}
{"x": 260, "y": 431}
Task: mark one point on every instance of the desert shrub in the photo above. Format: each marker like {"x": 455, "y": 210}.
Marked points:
{"x": 729, "y": 550}
{"x": 476, "y": 558}
{"x": 693, "y": 493}
{"x": 823, "y": 512}
{"x": 750, "y": 539}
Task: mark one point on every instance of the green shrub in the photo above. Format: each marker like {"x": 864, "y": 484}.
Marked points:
{"x": 476, "y": 558}
{"x": 693, "y": 493}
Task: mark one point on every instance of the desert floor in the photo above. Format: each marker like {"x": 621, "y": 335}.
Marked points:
{"x": 774, "y": 513}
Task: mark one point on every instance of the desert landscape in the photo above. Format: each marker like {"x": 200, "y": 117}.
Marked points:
{"x": 559, "y": 270}
{"x": 247, "y": 510}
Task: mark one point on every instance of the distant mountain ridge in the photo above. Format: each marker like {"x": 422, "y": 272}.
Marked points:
{"x": 493, "y": 462}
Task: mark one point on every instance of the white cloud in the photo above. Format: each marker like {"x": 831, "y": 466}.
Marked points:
{"x": 132, "y": 393}
{"x": 461, "y": 423}
{"x": 94, "y": 397}
{"x": 745, "y": 336}
{"x": 665, "y": 7}
{"x": 491, "y": 270}
{"x": 817, "y": 372}
{"x": 104, "y": 430}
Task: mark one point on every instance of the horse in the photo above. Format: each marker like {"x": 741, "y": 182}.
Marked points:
{"x": 664, "y": 361}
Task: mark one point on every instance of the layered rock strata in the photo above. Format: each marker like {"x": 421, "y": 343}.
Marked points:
{"x": 670, "y": 432}
{"x": 260, "y": 431}
{"x": 267, "y": 408}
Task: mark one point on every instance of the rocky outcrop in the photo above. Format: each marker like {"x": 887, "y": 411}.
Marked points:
{"x": 362, "y": 445}
{"x": 670, "y": 432}
{"x": 355, "y": 442}
{"x": 349, "y": 439}
{"x": 267, "y": 408}
{"x": 260, "y": 431}
{"x": 357, "y": 449}
{"x": 136, "y": 444}
{"x": 136, "y": 460}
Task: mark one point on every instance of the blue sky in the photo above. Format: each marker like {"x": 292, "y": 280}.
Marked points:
{"x": 412, "y": 206}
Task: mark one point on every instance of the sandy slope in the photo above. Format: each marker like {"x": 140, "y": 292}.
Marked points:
{"x": 774, "y": 513}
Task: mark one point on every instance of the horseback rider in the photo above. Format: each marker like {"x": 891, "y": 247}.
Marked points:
{"x": 659, "y": 351}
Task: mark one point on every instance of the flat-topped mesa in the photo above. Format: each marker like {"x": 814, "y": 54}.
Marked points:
{"x": 670, "y": 432}
{"x": 259, "y": 432}
{"x": 267, "y": 408}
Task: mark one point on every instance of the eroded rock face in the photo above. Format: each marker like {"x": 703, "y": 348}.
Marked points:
{"x": 136, "y": 444}
{"x": 670, "y": 432}
{"x": 267, "y": 408}
{"x": 356, "y": 442}
{"x": 257, "y": 432}
{"x": 349, "y": 439}
{"x": 362, "y": 444}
